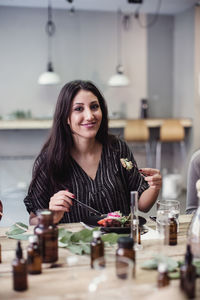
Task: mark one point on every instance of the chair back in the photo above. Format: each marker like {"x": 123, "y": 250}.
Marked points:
{"x": 172, "y": 131}
{"x": 136, "y": 131}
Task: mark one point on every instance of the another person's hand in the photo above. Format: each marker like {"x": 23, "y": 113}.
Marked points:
{"x": 60, "y": 203}
{"x": 153, "y": 177}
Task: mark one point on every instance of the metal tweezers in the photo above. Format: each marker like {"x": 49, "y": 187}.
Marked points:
{"x": 94, "y": 211}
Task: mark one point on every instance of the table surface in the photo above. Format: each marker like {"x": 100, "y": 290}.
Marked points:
{"x": 71, "y": 282}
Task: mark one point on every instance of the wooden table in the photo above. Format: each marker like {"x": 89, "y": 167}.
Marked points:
{"x": 71, "y": 282}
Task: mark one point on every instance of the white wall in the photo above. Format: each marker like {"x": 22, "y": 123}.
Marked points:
{"x": 84, "y": 47}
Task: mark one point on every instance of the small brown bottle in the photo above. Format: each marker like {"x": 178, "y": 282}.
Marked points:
{"x": 163, "y": 279}
{"x": 126, "y": 249}
{"x": 173, "y": 230}
{"x": 96, "y": 248}
{"x": 19, "y": 268}
{"x": 47, "y": 233}
{"x": 34, "y": 259}
{"x": 188, "y": 275}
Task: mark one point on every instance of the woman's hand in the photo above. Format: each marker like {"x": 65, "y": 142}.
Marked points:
{"x": 153, "y": 177}
{"x": 60, "y": 203}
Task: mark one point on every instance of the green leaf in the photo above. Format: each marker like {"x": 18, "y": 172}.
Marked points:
{"x": 83, "y": 235}
{"x": 66, "y": 238}
{"x": 23, "y": 237}
{"x": 150, "y": 264}
{"x": 17, "y": 228}
{"x": 174, "y": 275}
{"x": 85, "y": 247}
{"x": 76, "y": 249}
{"x": 153, "y": 263}
{"x": 61, "y": 232}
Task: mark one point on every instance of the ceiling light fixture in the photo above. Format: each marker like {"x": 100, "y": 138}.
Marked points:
{"x": 49, "y": 77}
{"x": 119, "y": 79}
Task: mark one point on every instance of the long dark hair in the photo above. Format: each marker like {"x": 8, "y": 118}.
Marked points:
{"x": 56, "y": 150}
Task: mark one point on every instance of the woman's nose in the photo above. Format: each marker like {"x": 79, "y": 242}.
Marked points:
{"x": 89, "y": 114}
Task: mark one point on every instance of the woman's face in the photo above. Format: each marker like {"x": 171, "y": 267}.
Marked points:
{"x": 85, "y": 115}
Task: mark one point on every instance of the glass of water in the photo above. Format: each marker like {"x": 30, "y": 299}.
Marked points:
{"x": 165, "y": 209}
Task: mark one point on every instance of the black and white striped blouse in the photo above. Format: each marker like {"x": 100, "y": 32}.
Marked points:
{"x": 108, "y": 192}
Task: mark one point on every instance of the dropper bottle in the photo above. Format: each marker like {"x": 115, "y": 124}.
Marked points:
{"x": 188, "y": 275}
{"x": 19, "y": 269}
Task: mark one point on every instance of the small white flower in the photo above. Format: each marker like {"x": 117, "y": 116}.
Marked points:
{"x": 128, "y": 165}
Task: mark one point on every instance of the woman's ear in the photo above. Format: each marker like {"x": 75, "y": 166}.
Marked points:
{"x": 68, "y": 121}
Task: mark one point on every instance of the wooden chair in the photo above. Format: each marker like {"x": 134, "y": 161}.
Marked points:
{"x": 136, "y": 131}
{"x": 171, "y": 131}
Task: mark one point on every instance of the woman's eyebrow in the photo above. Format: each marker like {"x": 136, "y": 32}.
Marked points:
{"x": 80, "y": 103}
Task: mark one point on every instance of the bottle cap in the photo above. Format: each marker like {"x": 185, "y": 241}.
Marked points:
{"x": 162, "y": 267}
{"x": 33, "y": 239}
{"x": 125, "y": 242}
{"x": 96, "y": 234}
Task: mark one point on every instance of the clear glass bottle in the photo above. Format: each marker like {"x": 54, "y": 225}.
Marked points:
{"x": 96, "y": 248}
{"x": 34, "y": 258}
{"x": 47, "y": 233}
{"x": 19, "y": 269}
{"x": 194, "y": 229}
{"x": 126, "y": 249}
{"x": 188, "y": 275}
{"x": 163, "y": 279}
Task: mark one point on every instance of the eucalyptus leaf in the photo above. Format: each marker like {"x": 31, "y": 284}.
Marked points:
{"x": 76, "y": 249}
{"x": 23, "y": 237}
{"x": 17, "y": 228}
{"x": 110, "y": 238}
{"x": 174, "y": 275}
{"x": 83, "y": 235}
{"x": 153, "y": 263}
{"x": 66, "y": 238}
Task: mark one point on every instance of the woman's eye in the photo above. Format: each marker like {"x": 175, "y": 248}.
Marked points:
{"x": 78, "y": 108}
{"x": 95, "y": 106}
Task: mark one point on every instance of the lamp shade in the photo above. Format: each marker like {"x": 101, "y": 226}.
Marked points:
{"x": 49, "y": 77}
{"x": 119, "y": 79}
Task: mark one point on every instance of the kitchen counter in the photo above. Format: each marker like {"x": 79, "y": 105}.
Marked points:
{"x": 46, "y": 124}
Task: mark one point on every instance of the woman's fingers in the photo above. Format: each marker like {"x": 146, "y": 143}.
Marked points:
{"x": 61, "y": 201}
{"x": 154, "y": 181}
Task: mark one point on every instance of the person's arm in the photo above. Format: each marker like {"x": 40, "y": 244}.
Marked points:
{"x": 150, "y": 195}
{"x": 192, "y": 176}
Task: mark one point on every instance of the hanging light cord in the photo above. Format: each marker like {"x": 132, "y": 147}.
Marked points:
{"x": 153, "y": 20}
{"x": 50, "y": 30}
{"x": 119, "y": 62}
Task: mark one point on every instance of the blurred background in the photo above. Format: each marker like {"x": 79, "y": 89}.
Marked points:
{"x": 155, "y": 42}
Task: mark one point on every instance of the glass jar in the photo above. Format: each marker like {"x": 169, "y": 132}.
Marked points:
{"x": 96, "y": 247}
{"x": 126, "y": 249}
{"x": 34, "y": 259}
{"x": 47, "y": 233}
{"x": 194, "y": 229}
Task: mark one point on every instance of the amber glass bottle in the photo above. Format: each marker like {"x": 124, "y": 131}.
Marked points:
{"x": 173, "y": 228}
{"x": 47, "y": 233}
{"x": 163, "y": 279}
{"x": 34, "y": 258}
{"x": 126, "y": 249}
{"x": 19, "y": 268}
{"x": 96, "y": 248}
{"x": 188, "y": 275}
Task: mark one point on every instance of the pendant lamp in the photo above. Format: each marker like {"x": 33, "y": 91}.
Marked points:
{"x": 119, "y": 79}
{"x": 49, "y": 77}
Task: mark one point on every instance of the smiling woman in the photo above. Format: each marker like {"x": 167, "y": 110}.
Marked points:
{"x": 81, "y": 160}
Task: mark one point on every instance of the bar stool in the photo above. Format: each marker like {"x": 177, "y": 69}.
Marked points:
{"x": 136, "y": 131}
{"x": 171, "y": 131}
